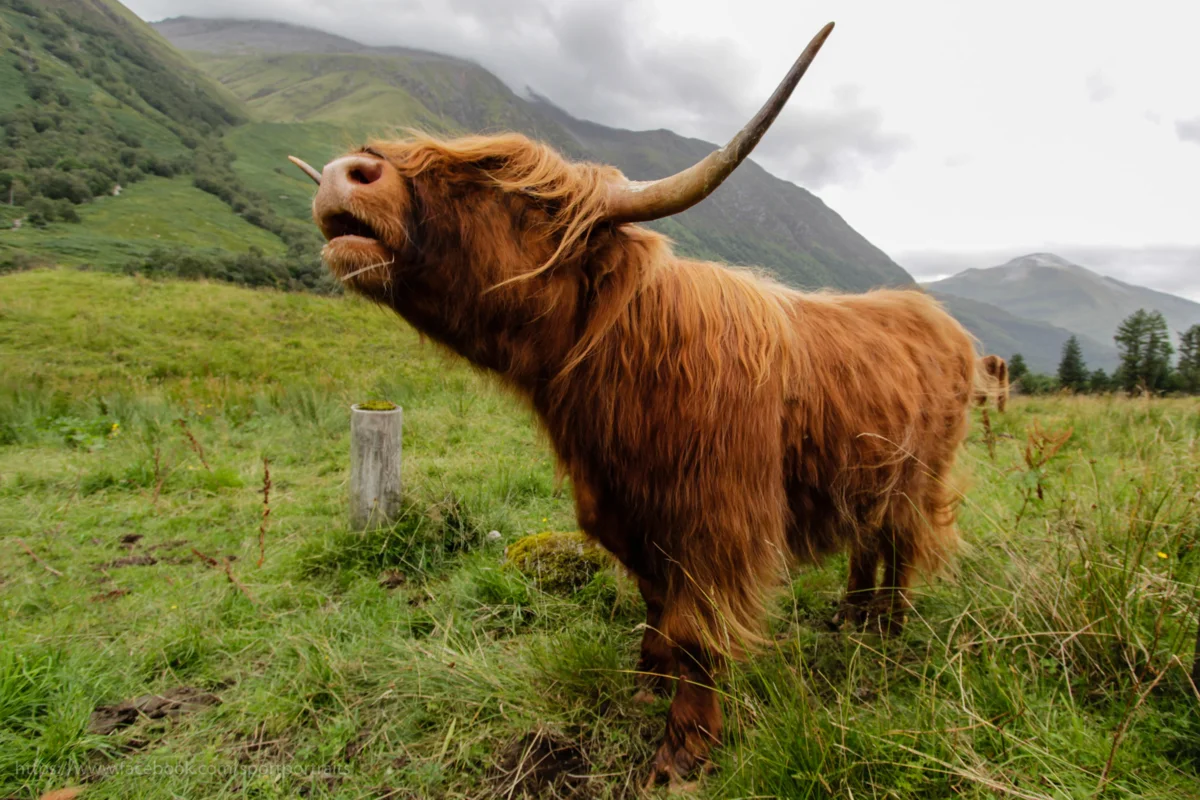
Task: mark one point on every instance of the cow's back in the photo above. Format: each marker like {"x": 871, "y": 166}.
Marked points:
{"x": 878, "y": 406}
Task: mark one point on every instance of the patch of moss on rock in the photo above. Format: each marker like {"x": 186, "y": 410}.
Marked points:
{"x": 377, "y": 405}
{"x": 558, "y": 562}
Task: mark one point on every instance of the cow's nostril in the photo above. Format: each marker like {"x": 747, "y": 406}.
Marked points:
{"x": 364, "y": 172}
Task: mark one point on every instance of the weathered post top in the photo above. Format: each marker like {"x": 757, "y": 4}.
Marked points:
{"x": 375, "y": 459}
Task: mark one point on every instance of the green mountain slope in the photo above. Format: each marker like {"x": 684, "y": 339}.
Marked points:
{"x": 1045, "y": 287}
{"x": 295, "y": 75}
{"x": 94, "y": 103}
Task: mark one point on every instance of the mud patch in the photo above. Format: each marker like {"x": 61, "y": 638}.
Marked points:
{"x": 130, "y": 561}
{"x": 357, "y": 744}
{"x": 392, "y": 579}
{"x": 541, "y": 764}
{"x": 173, "y": 544}
{"x": 182, "y": 699}
{"x": 106, "y": 596}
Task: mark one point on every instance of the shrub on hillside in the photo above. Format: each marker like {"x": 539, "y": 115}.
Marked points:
{"x": 19, "y": 261}
{"x": 253, "y": 268}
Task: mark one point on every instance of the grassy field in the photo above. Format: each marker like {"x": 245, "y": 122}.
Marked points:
{"x": 115, "y": 231}
{"x": 135, "y": 418}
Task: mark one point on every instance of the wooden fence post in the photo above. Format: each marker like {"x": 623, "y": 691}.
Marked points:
{"x": 375, "y": 457}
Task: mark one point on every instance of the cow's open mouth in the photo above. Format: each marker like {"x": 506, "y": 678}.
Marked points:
{"x": 355, "y": 250}
{"x": 345, "y": 224}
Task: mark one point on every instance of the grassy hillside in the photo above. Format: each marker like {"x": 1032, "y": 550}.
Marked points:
{"x": 112, "y": 152}
{"x": 154, "y": 213}
{"x": 263, "y": 147}
{"x": 410, "y": 663}
{"x": 92, "y": 97}
{"x": 294, "y": 77}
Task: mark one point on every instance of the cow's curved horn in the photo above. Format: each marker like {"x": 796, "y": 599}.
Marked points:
{"x": 641, "y": 201}
{"x": 309, "y": 171}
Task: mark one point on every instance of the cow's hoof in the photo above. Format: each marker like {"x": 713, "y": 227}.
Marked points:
{"x": 674, "y": 766}
{"x": 849, "y": 617}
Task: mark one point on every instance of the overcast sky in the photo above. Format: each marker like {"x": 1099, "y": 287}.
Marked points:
{"x": 950, "y": 134}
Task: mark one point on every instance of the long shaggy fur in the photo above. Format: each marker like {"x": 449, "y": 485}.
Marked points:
{"x": 724, "y": 422}
{"x": 716, "y": 425}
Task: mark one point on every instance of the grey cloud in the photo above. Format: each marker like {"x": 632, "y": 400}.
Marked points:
{"x": 822, "y": 148}
{"x": 1099, "y": 87}
{"x": 1188, "y": 130}
{"x": 597, "y": 60}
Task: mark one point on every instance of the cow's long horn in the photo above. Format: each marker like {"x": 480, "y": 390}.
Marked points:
{"x": 641, "y": 201}
{"x": 309, "y": 171}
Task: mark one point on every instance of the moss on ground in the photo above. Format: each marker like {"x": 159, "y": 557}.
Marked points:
{"x": 558, "y": 562}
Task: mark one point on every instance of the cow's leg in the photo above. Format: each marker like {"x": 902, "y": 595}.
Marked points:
{"x": 693, "y": 720}
{"x": 656, "y": 665}
{"x": 891, "y": 601}
{"x": 860, "y": 584}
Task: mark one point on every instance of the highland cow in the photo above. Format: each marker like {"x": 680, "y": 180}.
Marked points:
{"x": 992, "y": 382}
{"x": 715, "y": 425}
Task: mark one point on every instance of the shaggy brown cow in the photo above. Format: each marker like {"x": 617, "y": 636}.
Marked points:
{"x": 992, "y": 382}
{"x": 715, "y": 425}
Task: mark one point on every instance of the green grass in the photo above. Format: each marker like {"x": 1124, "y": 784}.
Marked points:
{"x": 1063, "y": 630}
{"x": 115, "y": 231}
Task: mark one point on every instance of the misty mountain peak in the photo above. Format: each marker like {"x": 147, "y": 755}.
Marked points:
{"x": 1040, "y": 260}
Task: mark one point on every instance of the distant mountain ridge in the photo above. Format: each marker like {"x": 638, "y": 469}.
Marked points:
{"x": 1051, "y": 289}
{"x": 258, "y": 37}
{"x": 285, "y": 73}
{"x": 1039, "y": 343}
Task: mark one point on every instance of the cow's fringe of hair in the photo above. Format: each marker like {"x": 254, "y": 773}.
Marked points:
{"x": 577, "y": 191}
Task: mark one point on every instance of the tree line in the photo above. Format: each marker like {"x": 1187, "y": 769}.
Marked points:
{"x": 1144, "y": 345}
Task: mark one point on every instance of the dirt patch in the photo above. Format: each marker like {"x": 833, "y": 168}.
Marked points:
{"x": 357, "y": 744}
{"x": 173, "y": 544}
{"x": 392, "y": 579}
{"x": 130, "y": 561}
{"x": 105, "y": 596}
{"x": 541, "y": 764}
{"x": 182, "y": 699}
